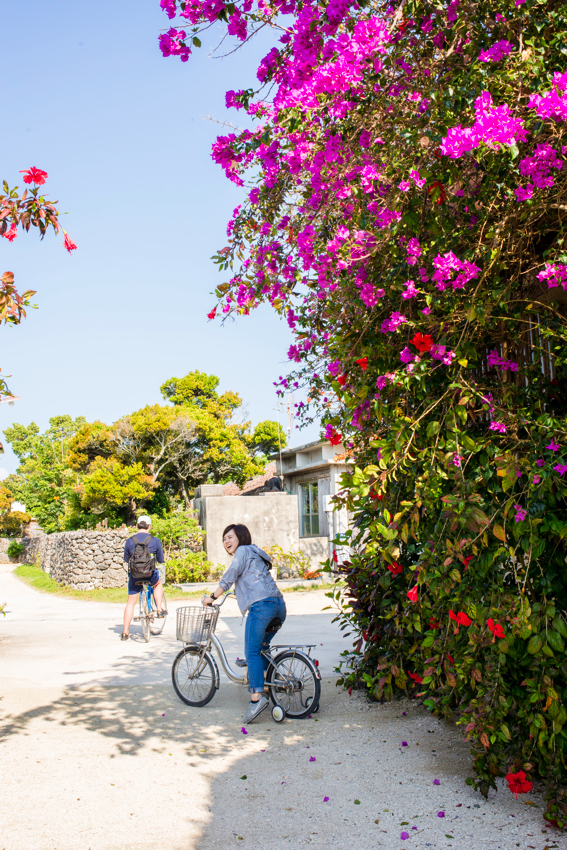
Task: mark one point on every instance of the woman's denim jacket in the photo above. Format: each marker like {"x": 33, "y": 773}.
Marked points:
{"x": 250, "y": 574}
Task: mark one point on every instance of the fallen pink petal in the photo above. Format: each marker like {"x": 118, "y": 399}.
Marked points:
{"x": 326, "y": 799}
{"x": 404, "y": 743}
{"x": 312, "y": 758}
{"x": 244, "y": 732}
{"x": 404, "y": 835}
{"x": 440, "y": 814}
{"x": 437, "y": 782}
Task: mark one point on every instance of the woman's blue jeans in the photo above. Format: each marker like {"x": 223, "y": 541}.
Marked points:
{"x": 260, "y": 615}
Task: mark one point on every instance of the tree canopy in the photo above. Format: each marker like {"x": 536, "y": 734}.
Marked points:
{"x": 78, "y": 473}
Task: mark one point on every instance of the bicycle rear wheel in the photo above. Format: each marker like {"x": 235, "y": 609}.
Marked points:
{"x": 294, "y": 684}
{"x": 193, "y": 677}
{"x": 156, "y": 627}
{"x": 144, "y": 615}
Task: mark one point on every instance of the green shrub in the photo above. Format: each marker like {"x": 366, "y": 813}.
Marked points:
{"x": 289, "y": 560}
{"x": 15, "y": 549}
{"x": 191, "y": 567}
{"x": 11, "y": 523}
{"x": 178, "y": 532}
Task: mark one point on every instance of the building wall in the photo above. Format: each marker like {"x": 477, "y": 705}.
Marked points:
{"x": 272, "y": 518}
{"x": 82, "y": 560}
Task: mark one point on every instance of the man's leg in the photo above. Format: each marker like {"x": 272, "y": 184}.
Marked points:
{"x": 158, "y": 593}
{"x": 129, "y": 612}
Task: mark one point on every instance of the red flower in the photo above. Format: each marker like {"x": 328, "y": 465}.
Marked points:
{"x": 496, "y": 628}
{"x": 34, "y": 175}
{"x": 335, "y": 558}
{"x": 12, "y": 233}
{"x": 363, "y": 363}
{"x": 412, "y": 594}
{"x": 212, "y": 314}
{"x": 467, "y": 560}
{"x": 422, "y": 342}
{"x": 460, "y": 618}
{"x": 442, "y": 194}
{"x": 451, "y": 659}
{"x": 342, "y": 380}
{"x": 395, "y": 568}
{"x": 69, "y": 244}
{"x": 518, "y": 783}
{"x": 335, "y": 438}
{"x": 416, "y": 678}
{"x": 433, "y": 623}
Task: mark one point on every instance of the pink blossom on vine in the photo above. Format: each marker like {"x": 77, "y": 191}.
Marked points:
{"x": 410, "y": 291}
{"x": 413, "y": 250}
{"x": 540, "y": 462}
{"x": 493, "y": 126}
{"x": 441, "y": 352}
{"x": 449, "y": 270}
{"x": 536, "y": 479}
{"x": 497, "y": 52}
{"x": 555, "y": 274}
{"x": 371, "y": 295}
{"x": 335, "y": 367}
{"x": 171, "y": 43}
{"x": 500, "y": 427}
{"x": 520, "y": 514}
{"x": 561, "y": 468}
{"x": 552, "y": 104}
{"x": 393, "y": 323}
{"x": 456, "y": 460}
{"x": 494, "y": 359}
{"x": 406, "y": 356}
{"x": 553, "y": 447}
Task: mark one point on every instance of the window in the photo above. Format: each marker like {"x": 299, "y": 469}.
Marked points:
{"x": 309, "y": 509}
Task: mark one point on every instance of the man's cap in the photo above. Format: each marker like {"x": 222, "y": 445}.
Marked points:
{"x": 144, "y": 518}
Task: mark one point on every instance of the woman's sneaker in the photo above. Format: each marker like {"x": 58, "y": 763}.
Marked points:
{"x": 256, "y": 708}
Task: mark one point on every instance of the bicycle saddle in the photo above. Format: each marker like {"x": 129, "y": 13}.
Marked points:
{"x": 274, "y": 625}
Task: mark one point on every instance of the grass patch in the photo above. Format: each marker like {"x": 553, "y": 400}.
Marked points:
{"x": 36, "y": 578}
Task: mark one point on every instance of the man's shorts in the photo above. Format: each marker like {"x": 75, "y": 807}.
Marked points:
{"x": 136, "y": 586}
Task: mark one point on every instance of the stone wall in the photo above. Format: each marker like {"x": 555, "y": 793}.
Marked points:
{"x": 81, "y": 559}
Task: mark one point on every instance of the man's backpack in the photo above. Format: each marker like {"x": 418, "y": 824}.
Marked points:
{"x": 141, "y": 563}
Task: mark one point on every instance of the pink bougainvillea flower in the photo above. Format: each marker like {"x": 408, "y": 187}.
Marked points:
{"x": 69, "y": 244}
{"x": 363, "y": 363}
{"x": 412, "y": 594}
{"x": 404, "y": 835}
{"x": 404, "y": 743}
{"x": 34, "y": 175}
{"x": 498, "y": 426}
{"x": 436, "y": 782}
{"x": 495, "y": 628}
{"x": 440, "y": 814}
{"x": 243, "y": 730}
{"x": 518, "y": 784}
{"x": 553, "y": 447}
{"x": 561, "y": 469}
{"x": 536, "y": 479}
{"x": 520, "y": 514}
{"x": 540, "y": 462}
{"x": 212, "y": 314}
{"x": 326, "y": 799}
{"x": 312, "y": 758}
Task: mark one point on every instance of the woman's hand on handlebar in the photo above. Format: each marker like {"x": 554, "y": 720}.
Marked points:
{"x": 208, "y": 600}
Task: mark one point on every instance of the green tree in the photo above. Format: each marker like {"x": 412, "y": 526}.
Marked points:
{"x": 44, "y": 481}
{"x": 113, "y": 490}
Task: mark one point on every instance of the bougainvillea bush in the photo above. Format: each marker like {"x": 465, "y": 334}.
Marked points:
{"x": 405, "y": 212}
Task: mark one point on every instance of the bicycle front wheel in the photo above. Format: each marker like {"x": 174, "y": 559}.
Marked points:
{"x": 145, "y": 615}
{"x": 193, "y": 677}
{"x": 294, "y": 684}
{"x": 157, "y": 625}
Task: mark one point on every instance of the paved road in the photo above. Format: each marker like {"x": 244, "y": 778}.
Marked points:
{"x": 97, "y": 752}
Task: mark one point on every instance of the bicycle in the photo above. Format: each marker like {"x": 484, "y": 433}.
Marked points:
{"x": 148, "y": 616}
{"x": 292, "y": 677}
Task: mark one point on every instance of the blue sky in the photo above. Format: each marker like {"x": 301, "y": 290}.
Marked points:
{"x": 120, "y": 131}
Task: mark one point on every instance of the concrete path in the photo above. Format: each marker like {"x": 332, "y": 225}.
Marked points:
{"x": 97, "y": 752}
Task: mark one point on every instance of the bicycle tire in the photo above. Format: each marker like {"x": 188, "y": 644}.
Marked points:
{"x": 300, "y": 691}
{"x": 144, "y": 616}
{"x": 195, "y": 691}
{"x": 157, "y": 626}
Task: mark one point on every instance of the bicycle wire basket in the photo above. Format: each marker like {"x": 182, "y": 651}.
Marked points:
{"x": 196, "y": 625}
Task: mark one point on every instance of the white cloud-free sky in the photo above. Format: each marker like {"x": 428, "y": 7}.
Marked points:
{"x": 120, "y": 131}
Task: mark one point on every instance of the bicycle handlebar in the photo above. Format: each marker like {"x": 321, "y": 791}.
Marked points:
{"x": 218, "y": 604}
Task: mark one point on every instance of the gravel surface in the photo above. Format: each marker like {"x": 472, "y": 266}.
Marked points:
{"x": 97, "y": 753}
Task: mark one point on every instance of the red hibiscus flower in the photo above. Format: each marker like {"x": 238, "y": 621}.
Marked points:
{"x": 423, "y": 342}
{"x": 212, "y": 314}
{"x": 416, "y": 678}
{"x": 412, "y": 594}
{"x": 12, "y": 233}
{"x": 433, "y": 623}
{"x": 69, "y": 244}
{"x": 34, "y": 175}
{"x": 467, "y": 560}
{"x": 496, "y": 629}
{"x": 518, "y": 783}
{"x": 335, "y": 438}
{"x": 395, "y": 568}
{"x": 342, "y": 380}
{"x": 363, "y": 363}
{"x": 460, "y": 618}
